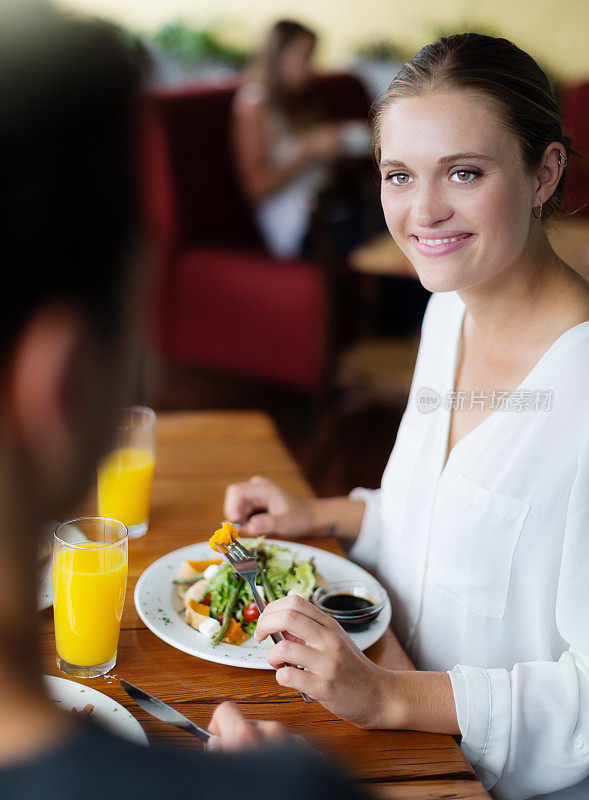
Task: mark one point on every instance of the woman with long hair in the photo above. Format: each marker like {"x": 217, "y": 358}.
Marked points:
{"x": 480, "y": 527}
{"x": 281, "y": 146}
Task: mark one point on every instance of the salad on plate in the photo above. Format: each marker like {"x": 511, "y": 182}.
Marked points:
{"x": 220, "y": 605}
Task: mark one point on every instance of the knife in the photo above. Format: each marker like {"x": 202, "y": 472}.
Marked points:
{"x": 164, "y": 712}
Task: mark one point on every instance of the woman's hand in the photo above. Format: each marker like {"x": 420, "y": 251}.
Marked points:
{"x": 232, "y": 731}
{"x": 336, "y": 672}
{"x": 275, "y": 510}
{"x": 281, "y": 513}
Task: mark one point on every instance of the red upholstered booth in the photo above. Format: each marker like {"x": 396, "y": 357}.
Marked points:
{"x": 221, "y": 300}
{"x": 576, "y": 119}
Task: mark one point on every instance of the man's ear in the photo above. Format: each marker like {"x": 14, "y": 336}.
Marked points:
{"x": 550, "y": 172}
{"x": 42, "y": 378}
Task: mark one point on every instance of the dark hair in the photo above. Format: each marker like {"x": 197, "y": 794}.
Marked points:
{"x": 68, "y": 196}
{"x": 500, "y": 70}
{"x": 297, "y": 109}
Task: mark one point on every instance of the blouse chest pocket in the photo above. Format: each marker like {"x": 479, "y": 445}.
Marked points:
{"x": 474, "y": 532}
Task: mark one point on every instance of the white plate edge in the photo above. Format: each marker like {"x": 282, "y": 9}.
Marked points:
{"x": 127, "y": 721}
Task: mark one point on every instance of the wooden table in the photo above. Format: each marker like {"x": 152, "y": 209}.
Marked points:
{"x": 198, "y": 454}
{"x": 383, "y": 256}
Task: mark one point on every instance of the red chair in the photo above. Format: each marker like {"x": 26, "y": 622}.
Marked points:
{"x": 221, "y": 301}
{"x": 576, "y": 120}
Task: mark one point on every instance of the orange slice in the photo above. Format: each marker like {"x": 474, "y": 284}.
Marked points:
{"x": 200, "y": 566}
{"x": 235, "y": 633}
{"x": 223, "y": 537}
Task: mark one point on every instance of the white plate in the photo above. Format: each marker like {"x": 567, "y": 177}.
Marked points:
{"x": 107, "y": 712}
{"x": 158, "y": 605}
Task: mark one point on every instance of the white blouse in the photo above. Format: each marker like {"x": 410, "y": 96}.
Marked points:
{"x": 487, "y": 558}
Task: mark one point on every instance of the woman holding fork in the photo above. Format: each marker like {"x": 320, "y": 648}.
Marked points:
{"x": 479, "y": 529}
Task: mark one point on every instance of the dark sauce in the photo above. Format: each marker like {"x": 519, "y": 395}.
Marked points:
{"x": 343, "y": 604}
{"x": 346, "y": 602}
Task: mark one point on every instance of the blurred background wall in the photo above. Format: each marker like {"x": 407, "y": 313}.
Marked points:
{"x": 555, "y": 33}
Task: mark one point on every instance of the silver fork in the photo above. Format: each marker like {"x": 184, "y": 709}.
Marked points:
{"x": 245, "y": 563}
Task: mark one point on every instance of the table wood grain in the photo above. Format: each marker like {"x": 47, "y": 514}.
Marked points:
{"x": 198, "y": 454}
{"x": 430, "y": 790}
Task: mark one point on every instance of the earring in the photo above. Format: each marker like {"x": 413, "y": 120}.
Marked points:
{"x": 539, "y": 214}
{"x": 563, "y": 160}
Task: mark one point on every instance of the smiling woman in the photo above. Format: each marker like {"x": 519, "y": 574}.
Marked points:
{"x": 438, "y": 203}
{"x": 481, "y": 542}
{"x": 494, "y": 72}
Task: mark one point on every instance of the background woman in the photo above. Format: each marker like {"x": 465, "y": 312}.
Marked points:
{"x": 281, "y": 146}
{"x": 480, "y": 527}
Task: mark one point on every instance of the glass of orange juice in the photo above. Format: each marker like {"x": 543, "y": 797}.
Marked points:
{"x": 89, "y": 582}
{"x": 125, "y": 475}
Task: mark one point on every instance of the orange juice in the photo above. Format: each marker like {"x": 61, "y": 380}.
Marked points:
{"x": 124, "y": 485}
{"x": 89, "y": 583}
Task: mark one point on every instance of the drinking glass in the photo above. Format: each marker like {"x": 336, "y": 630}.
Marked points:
{"x": 89, "y": 582}
{"x": 125, "y": 475}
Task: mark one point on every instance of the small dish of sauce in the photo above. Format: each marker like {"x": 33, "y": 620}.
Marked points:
{"x": 354, "y": 604}
{"x": 346, "y": 602}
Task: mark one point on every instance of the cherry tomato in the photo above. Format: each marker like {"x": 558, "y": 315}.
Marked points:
{"x": 251, "y": 612}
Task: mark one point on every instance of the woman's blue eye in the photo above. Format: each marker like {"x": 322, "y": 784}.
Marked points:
{"x": 464, "y": 176}
{"x": 399, "y": 178}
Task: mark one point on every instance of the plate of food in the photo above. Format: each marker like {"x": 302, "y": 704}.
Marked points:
{"x": 198, "y": 604}
{"x": 84, "y": 701}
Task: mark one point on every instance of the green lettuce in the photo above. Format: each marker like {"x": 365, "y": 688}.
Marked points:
{"x": 220, "y": 588}
{"x": 301, "y": 579}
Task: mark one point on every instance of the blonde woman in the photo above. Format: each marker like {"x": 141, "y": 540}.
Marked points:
{"x": 480, "y": 529}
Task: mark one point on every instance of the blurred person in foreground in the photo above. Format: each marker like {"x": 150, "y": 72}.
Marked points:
{"x": 281, "y": 146}
{"x": 71, "y": 300}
